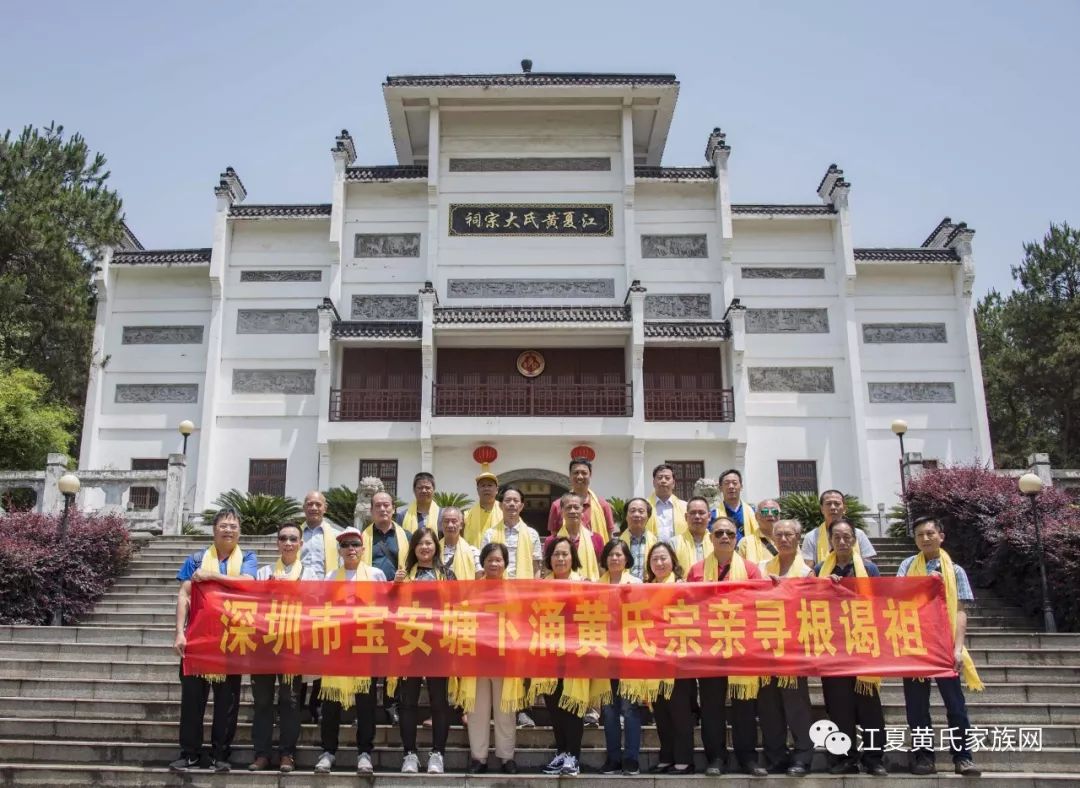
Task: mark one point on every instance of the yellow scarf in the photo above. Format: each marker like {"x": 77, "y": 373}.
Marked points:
{"x": 752, "y": 547}
{"x": 750, "y": 525}
{"x": 686, "y": 552}
{"x": 773, "y": 568}
{"x": 823, "y": 546}
{"x": 477, "y": 521}
{"x": 402, "y": 546}
{"x": 463, "y": 567}
{"x": 650, "y": 540}
{"x": 292, "y": 573}
{"x": 678, "y": 516}
{"x": 329, "y": 548}
{"x": 948, "y": 575}
{"x": 577, "y": 694}
{"x": 590, "y": 567}
{"x": 864, "y": 685}
{"x": 212, "y": 565}
{"x": 597, "y": 521}
{"x": 343, "y": 689}
{"x": 740, "y": 687}
{"x": 410, "y": 522}
{"x": 523, "y": 569}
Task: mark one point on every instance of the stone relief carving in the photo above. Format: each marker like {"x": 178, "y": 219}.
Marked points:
{"x": 530, "y": 288}
{"x": 674, "y": 246}
{"x": 277, "y": 321}
{"x": 387, "y": 245}
{"x": 678, "y": 306}
{"x": 787, "y": 321}
{"x": 781, "y": 272}
{"x": 912, "y": 392}
{"x": 369, "y": 485}
{"x": 162, "y": 335}
{"x": 801, "y": 380}
{"x": 532, "y": 164}
{"x": 385, "y": 307}
{"x": 281, "y": 276}
{"x": 903, "y": 333}
{"x": 273, "y": 381}
{"x": 132, "y": 393}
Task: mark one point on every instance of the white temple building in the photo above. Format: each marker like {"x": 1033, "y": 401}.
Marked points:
{"x": 530, "y": 276}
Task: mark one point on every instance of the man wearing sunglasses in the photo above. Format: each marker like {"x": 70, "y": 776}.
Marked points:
{"x": 761, "y": 546}
{"x": 288, "y": 567}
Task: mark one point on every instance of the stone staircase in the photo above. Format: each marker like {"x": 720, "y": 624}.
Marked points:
{"x": 98, "y": 704}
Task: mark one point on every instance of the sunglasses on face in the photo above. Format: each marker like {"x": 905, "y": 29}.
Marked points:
{"x": 729, "y": 534}
{"x": 349, "y": 544}
{"x": 288, "y": 538}
{"x": 769, "y": 511}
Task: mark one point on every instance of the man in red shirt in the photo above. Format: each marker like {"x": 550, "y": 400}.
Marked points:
{"x": 580, "y": 477}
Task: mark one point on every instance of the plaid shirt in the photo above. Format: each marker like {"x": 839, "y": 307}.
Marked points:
{"x": 963, "y": 587}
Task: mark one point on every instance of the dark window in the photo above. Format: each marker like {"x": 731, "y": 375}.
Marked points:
{"x": 797, "y": 476}
{"x": 266, "y": 476}
{"x": 386, "y": 470}
{"x": 686, "y": 473}
{"x": 143, "y": 499}
{"x": 930, "y": 465}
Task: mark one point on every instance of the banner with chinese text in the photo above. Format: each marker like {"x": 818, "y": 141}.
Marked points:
{"x": 890, "y": 627}
{"x": 531, "y": 219}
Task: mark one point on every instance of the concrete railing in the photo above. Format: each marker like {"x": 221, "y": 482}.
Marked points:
{"x": 108, "y": 491}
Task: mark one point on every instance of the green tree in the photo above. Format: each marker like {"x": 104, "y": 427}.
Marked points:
{"x": 30, "y": 427}
{"x": 56, "y": 213}
{"x": 1030, "y": 346}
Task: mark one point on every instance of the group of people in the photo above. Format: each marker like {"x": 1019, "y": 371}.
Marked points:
{"x": 664, "y": 540}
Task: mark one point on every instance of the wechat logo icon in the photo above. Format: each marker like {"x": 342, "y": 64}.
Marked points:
{"x": 825, "y": 734}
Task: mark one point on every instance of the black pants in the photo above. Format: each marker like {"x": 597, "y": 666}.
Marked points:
{"x": 262, "y": 724}
{"x": 330, "y": 723}
{"x": 848, "y": 708}
{"x": 782, "y": 710}
{"x": 194, "y": 692}
{"x": 675, "y": 724}
{"x": 409, "y": 690}
{"x": 917, "y": 705}
{"x": 714, "y": 714}
{"x": 568, "y": 727}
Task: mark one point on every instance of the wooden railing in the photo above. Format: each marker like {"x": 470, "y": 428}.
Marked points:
{"x": 375, "y": 404}
{"x": 689, "y": 404}
{"x": 530, "y": 399}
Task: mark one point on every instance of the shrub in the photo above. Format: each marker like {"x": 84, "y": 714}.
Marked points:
{"x": 989, "y": 530}
{"x": 805, "y": 508}
{"x": 340, "y": 505}
{"x": 259, "y": 514}
{"x": 460, "y": 500}
{"x": 618, "y": 511}
{"x": 37, "y": 570}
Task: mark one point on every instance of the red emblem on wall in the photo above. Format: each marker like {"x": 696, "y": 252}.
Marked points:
{"x": 530, "y": 363}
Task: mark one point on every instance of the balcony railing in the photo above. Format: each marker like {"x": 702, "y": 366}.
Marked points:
{"x": 576, "y": 399}
{"x": 375, "y": 404}
{"x": 689, "y": 404}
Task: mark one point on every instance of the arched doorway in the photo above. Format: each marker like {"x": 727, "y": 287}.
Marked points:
{"x": 540, "y": 487}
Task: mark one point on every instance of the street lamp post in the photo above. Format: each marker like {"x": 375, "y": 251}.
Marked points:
{"x": 69, "y": 485}
{"x": 899, "y": 426}
{"x": 1031, "y": 485}
{"x": 186, "y": 428}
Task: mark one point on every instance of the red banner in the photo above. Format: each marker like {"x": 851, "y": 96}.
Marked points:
{"x": 888, "y": 627}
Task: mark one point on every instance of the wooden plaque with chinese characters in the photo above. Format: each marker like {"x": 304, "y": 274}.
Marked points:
{"x": 531, "y": 219}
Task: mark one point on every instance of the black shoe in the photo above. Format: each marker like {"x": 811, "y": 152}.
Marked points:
{"x": 477, "y": 767}
{"x": 661, "y": 768}
{"x": 631, "y": 767}
{"x": 846, "y": 766}
{"x": 182, "y": 765}
{"x": 876, "y": 769}
{"x": 688, "y": 769}
{"x": 753, "y": 770}
{"x": 611, "y": 767}
{"x": 966, "y": 767}
{"x": 509, "y": 767}
{"x": 923, "y": 767}
{"x": 715, "y": 767}
{"x": 797, "y": 770}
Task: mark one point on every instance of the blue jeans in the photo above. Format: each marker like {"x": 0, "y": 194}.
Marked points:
{"x": 917, "y": 703}
{"x": 631, "y": 715}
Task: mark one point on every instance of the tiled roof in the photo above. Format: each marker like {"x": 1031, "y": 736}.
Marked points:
{"x": 527, "y": 79}
{"x": 532, "y": 314}
{"x": 279, "y": 211}
{"x": 162, "y": 257}
{"x": 674, "y": 173}
{"x": 908, "y": 255}
{"x": 788, "y": 210}
{"x": 687, "y": 330}
{"x": 390, "y": 172}
{"x": 377, "y": 329}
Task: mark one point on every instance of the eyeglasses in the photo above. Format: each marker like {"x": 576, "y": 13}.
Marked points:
{"x": 350, "y": 544}
{"x": 728, "y": 534}
{"x": 288, "y": 538}
{"x": 768, "y": 511}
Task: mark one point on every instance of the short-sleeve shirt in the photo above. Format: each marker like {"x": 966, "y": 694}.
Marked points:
{"x": 249, "y": 567}
{"x": 963, "y": 587}
{"x": 421, "y": 518}
{"x": 664, "y": 512}
{"x": 697, "y": 572}
{"x": 809, "y": 545}
{"x": 597, "y": 542}
{"x": 266, "y": 571}
{"x": 849, "y": 569}
{"x": 555, "y": 515}
{"x": 639, "y": 554}
{"x": 800, "y": 567}
{"x": 513, "y": 532}
{"x": 311, "y": 551}
{"x": 449, "y": 552}
{"x": 384, "y": 550}
{"x": 350, "y": 574}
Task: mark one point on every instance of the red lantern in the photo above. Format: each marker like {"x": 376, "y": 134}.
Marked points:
{"x": 485, "y": 455}
{"x": 583, "y": 451}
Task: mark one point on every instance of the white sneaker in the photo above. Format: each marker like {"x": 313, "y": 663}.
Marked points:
{"x": 410, "y": 764}
{"x": 592, "y": 718}
{"x": 570, "y": 767}
{"x": 434, "y": 763}
{"x": 363, "y": 764}
{"x": 524, "y": 720}
{"x": 556, "y": 763}
{"x": 325, "y": 763}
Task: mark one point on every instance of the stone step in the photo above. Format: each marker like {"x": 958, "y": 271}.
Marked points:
{"x": 385, "y": 736}
{"x": 34, "y": 774}
{"x": 1055, "y": 759}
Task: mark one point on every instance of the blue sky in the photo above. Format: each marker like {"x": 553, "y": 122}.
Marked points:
{"x": 964, "y": 109}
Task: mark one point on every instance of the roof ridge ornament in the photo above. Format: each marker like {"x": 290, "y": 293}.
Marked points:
{"x": 230, "y": 188}
{"x": 716, "y": 145}
{"x": 833, "y": 188}
{"x": 344, "y": 149}
{"x": 526, "y": 66}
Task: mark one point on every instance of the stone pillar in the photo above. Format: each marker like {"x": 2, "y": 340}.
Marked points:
{"x": 52, "y": 500}
{"x": 1039, "y": 464}
{"x": 172, "y": 518}
{"x": 636, "y": 299}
